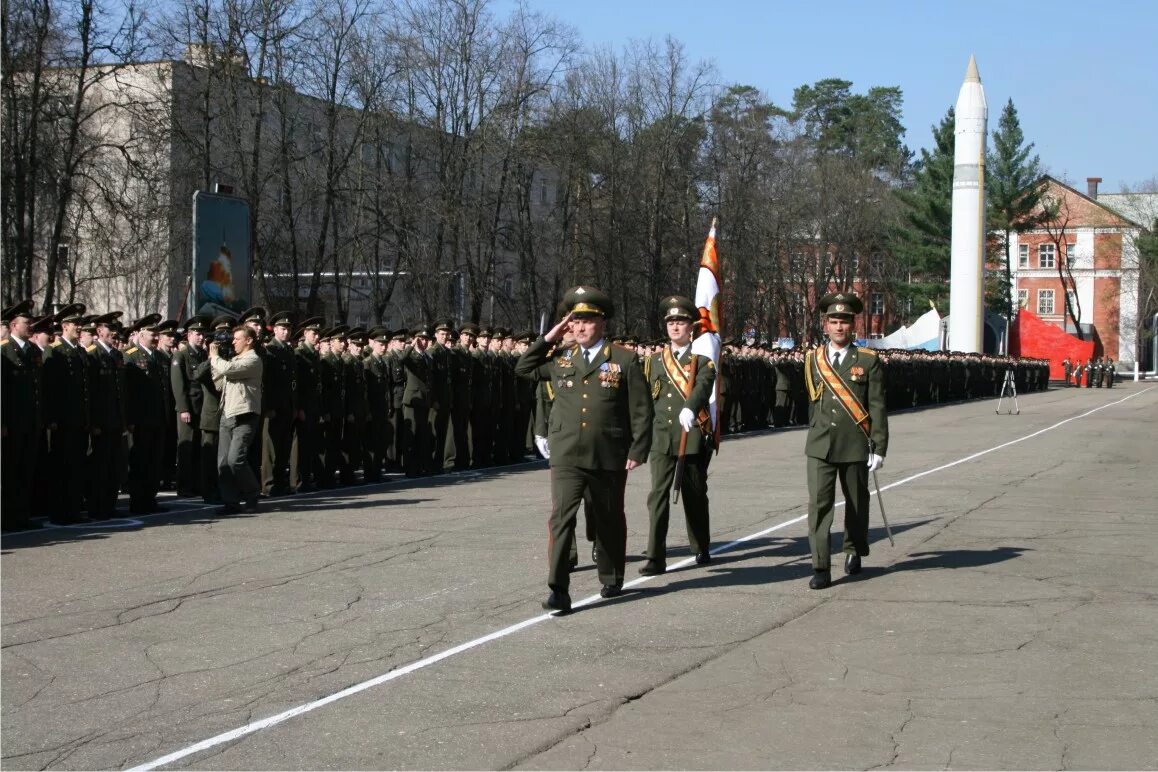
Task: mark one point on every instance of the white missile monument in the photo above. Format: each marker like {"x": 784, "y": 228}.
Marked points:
{"x": 967, "y": 253}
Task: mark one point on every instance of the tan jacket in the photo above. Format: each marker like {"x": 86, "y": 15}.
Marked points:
{"x": 239, "y": 381}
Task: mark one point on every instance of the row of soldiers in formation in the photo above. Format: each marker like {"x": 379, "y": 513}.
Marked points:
{"x": 1095, "y": 373}
{"x": 765, "y": 386}
{"x": 134, "y": 405}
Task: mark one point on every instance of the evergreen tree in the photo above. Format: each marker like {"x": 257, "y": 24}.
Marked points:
{"x": 1014, "y": 200}
{"x": 923, "y": 239}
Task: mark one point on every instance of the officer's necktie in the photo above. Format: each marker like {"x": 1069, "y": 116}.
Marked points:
{"x": 836, "y": 359}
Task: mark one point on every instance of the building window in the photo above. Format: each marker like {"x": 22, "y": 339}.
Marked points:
{"x": 1023, "y": 298}
{"x": 1071, "y": 253}
{"x": 1023, "y": 255}
{"x": 1046, "y": 256}
{"x": 877, "y": 303}
{"x": 1045, "y": 302}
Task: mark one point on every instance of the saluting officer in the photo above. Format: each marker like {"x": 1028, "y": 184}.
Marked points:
{"x": 66, "y": 403}
{"x": 107, "y": 409}
{"x": 681, "y": 384}
{"x": 222, "y": 331}
{"x": 357, "y": 409}
{"x": 21, "y": 368}
{"x": 279, "y": 407}
{"x": 187, "y": 401}
{"x": 395, "y": 351}
{"x": 333, "y": 376}
{"x": 848, "y": 435}
{"x": 440, "y": 408}
{"x": 417, "y": 402}
{"x": 462, "y": 374}
{"x": 147, "y": 383}
{"x": 599, "y": 430}
{"x": 381, "y": 434}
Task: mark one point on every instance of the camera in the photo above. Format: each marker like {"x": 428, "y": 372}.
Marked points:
{"x": 224, "y": 341}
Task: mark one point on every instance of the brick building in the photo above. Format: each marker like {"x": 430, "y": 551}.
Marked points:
{"x": 1085, "y": 250}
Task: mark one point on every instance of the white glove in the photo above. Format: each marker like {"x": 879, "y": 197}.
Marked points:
{"x": 541, "y": 444}
{"x": 875, "y": 462}
{"x": 687, "y": 419}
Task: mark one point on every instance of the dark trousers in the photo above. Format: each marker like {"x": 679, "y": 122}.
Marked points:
{"x": 693, "y": 492}
{"x": 416, "y": 439}
{"x": 352, "y": 438}
{"x": 379, "y": 437}
{"x": 104, "y": 468}
{"x": 68, "y": 455}
{"x": 439, "y": 431}
{"x": 18, "y": 473}
{"x": 568, "y": 484}
{"x": 395, "y": 452}
{"x": 207, "y": 465}
{"x": 276, "y": 444}
{"x": 481, "y": 429}
{"x": 169, "y": 452}
{"x": 822, "y": 478}
{"x": 189, "y": 456}
{"x": 332, "y": 432}
{"x": 458, "y": 444}
{"x": 235, "y": 477}
{"x": 145, "y": 467}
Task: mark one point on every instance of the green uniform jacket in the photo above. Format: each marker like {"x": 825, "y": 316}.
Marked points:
{"x": 186, "y": 390}
{"x": 107, "y": 388}
{"x": 666, "y": 429}
{"x": 602, "y": 412}
{"x": 65, "y": 383}
{"x": 147, "y": 387}
{"x": 279, "y": 380}
{"x": 420, "y": 370}
{"x": 20, "y": 372}
{"x": 309, "y": 391}
{"x": 832, "y": 435}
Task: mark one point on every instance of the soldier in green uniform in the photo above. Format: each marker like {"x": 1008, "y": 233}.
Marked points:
{"x": 21, "y": 368}
{"x": 305, "y": 467}
{"x": 147, "y": 384}
{"x": 210, "y": 424}
{"x": 681, "y": 384}
{"x": 848, "y": 435}
{"x": 166, "y": 345}
{"x": 395, "y": 349}
{"x": 279, "y": 407}
{"x": 66, "y": 406}
{"x": 187, "y": 403}
{"x": 417, "y": 401}
{"x": 357, "y": 409}
{"x": 333, "y": 377}
{"x": 483, "y": 401}
{"x": 107, "y": 406}
{"x": 441, "y": 407}
{"x": 381, "y": 434}
{"x": 462, "y": 374}
{"x": 599, "y": 430}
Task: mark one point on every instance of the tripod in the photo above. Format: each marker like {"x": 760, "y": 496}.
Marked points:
{"x": 1009, "y": 388}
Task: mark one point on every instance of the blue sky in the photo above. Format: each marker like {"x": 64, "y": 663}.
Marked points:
{"x": 1083, "y": 76}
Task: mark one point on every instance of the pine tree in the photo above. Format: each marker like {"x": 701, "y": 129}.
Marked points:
{"x": 922, "y": 241}
{"x": 1014, "y": 199}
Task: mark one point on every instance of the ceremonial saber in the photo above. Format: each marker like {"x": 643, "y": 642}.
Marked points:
{"x": 884, "y": 517}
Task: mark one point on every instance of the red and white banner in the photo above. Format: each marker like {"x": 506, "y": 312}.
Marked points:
{"x": 707, "y": 341}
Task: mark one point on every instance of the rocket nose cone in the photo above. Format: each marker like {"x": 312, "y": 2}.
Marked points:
{"x": 971, "y": 73}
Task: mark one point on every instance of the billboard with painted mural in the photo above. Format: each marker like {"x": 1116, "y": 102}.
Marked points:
{"x": 222, "y": 274}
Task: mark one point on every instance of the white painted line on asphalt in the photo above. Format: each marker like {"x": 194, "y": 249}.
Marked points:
{"x": 265, "y": 723}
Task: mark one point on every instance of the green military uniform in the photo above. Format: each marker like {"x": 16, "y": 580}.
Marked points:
{"x": 381, "y": 433}
{"x": 836, "y": 447}
{"x": 21, "y": 367}
{"x": 307, "y": 460}
{"x": 440, "y": 407}
{"x": 601, "y": 418}
{"x": 168, "y": 328}
{"x": 210, "y": 423}
{"x": 357, "y": 409}
{"x": 147, "y": 384}
{"x": 66, "y": 406}
{"x": 417, "y": 400}
{"x": 187, "y": 399}
{"x": 279, "y": 410}
{"x": 107, "y": 406}
{"x": 396, "y": 454}
{"x": 483, "y": 401}
{"x": 695, "y": 375}
{"x": 333, "y": 380}
{"x": 462, "y": 374}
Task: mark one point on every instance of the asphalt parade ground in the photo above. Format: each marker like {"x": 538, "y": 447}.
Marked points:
{"x": 1013, "y": 625}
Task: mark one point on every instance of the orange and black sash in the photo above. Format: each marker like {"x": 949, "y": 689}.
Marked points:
{"x": 831, "y": 378}
{"x": 676, "y": 373}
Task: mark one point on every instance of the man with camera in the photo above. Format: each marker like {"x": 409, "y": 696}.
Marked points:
{"x": 238, "y": 378}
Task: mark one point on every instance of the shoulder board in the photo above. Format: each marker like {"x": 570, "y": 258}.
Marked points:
{"x": 91, "y": 348}
{"x": 868, "y": 351}
{"x": 565, "y": 351}
{"x": 132, "y": 350}
{"x": 623, "y": 348}
{"x": 4, "y": 342}
{"x": 55, "y": 343}
{"x": 711, "y": 364}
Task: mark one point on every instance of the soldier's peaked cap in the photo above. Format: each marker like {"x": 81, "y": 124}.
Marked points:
{"x": 399, "y": 335}
{"x": 380, "y": 334}
{"x": 840, "y": 304}
{"x": 678, "y": 307}
{"x": 147, "y": 322}
{"x": 109, "y": 320}
{"x": 313, "y": 323}
{"x": 444, "y": 324}
{"x": 338, "y": 332}
{"x": 43, "y": 324}
{"x": 225, "y": 322}
{"x": 283, "y": 319}
{"x": 586, "y": 300}
{"x": 23, "y": 308}
{"x": 257, "y": 313}
{"x": 470, "y": 327}
{"x": 196, "y": 324}
{"x": 73, "y": 312}
{"x": 167, "y": 327}
{"x": 422, "y": 331}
